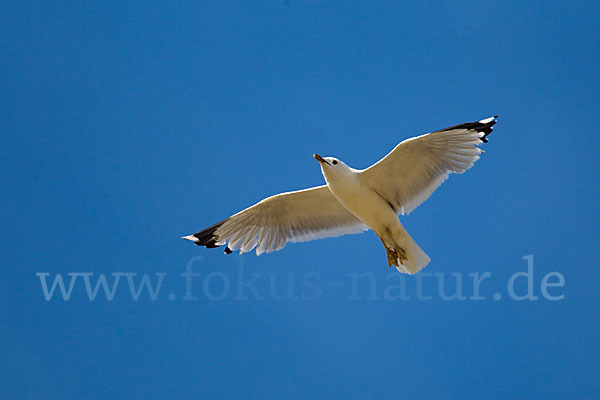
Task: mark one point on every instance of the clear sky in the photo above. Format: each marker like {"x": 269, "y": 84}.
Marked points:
{"x": 124, "y": 127}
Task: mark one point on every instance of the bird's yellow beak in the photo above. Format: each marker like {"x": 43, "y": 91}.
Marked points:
{"x": 320, "y": 159}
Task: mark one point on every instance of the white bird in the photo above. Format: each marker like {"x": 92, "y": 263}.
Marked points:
{"x": 354, "y": 201}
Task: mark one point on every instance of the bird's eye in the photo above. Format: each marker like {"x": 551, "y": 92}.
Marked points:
{"x": 334, "y": 162}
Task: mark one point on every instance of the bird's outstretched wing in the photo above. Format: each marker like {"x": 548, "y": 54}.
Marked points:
{"x": 269, "y": 225}
{"x": 410, "y": 173}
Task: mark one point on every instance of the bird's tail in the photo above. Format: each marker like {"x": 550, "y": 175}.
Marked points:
{"x": 417, "y": 259}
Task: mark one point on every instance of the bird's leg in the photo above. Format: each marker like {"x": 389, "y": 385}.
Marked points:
{"x": 401, "y": 254}
{"x": 391, "y": 256}
{"x": 391, "y": 253}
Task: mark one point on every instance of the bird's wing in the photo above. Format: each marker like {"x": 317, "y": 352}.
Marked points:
{"x": 410, "y": 173}
{"x": 269, "y": 225}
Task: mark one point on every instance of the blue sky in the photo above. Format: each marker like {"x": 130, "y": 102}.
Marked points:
{"x": 126, "y": 126}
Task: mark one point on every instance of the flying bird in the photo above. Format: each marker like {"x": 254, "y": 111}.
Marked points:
{"x": 354, "y": 200}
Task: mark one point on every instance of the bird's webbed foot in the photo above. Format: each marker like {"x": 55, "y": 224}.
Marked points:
{"x": 396, "y": 256}
{"x": 401, "y": 255}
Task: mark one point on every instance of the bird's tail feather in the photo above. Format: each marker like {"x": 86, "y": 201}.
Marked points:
{"x": 417, "y": 259}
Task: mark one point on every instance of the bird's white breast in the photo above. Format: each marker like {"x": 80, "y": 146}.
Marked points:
{"x": 364, "y": 203}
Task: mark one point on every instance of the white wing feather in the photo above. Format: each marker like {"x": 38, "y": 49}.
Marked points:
{"x": 270, "y": 224}
{"x": 410, "y": 173}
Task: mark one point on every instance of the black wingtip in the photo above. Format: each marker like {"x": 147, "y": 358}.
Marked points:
{"x": 479, "y": 126}
{"x": 207, "y": 237}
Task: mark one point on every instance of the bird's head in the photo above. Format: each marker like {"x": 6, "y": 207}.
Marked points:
{"x": 333, "y": 168}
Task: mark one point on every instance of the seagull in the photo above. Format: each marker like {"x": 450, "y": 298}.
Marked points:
{"x": 354, "y": 200}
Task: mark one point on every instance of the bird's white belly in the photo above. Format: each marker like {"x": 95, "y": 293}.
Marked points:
{"x": 366, "y": 205}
